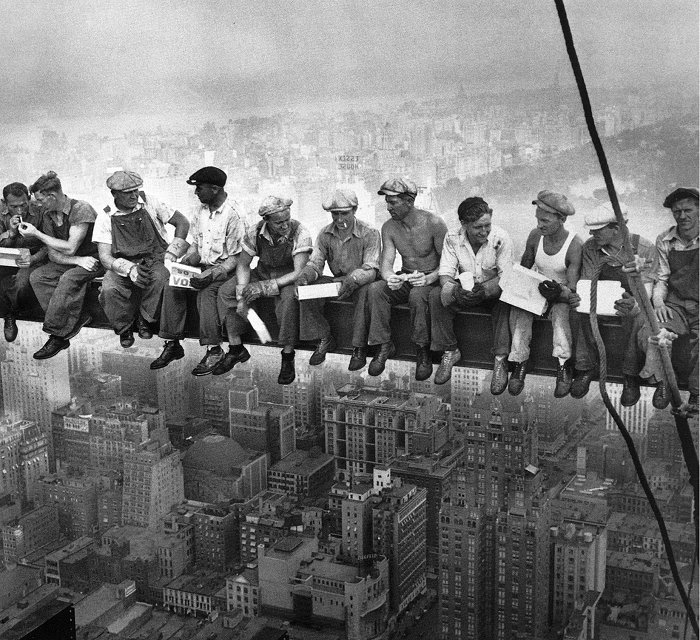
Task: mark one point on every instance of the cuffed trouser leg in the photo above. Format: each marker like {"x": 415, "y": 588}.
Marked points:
{"x": 586, "y": 353}
{"x": 226, "y": 302}
{"x": 633, "y": 357}
{"x": 381, "y": 298}
{"x": 173, "y": 313}
{"x": 561, "y": 330}
{"x": 60, "y": 290}
{"x": 287, "y": 313}
{"x": 313, "y": 323}
{"x": 118, "y": 300}
{"x": 360, "y": 316}
{"x": 443, "y": 337}
{"x": 520, "y": 322}
{"x": 684, "y": 321}
{"x": 209, "y": 323}
{"x": 500, "y": 329}
{"x": 152, "y": 295}
{"x": 419, "y": 306}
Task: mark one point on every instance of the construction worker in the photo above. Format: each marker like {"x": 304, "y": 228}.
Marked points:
{"x": 132, "y": 244}
{"x": 283, "y": 246}
{"x": 60, "y": 284}
{"x": 216, "y": 233}
{"x": 351, "y": 248}
{"x": 15, "y": 289}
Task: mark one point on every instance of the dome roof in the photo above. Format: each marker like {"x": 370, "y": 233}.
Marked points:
{"x": 215, "y": 453}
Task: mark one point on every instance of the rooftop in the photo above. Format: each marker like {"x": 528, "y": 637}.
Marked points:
{"x": 202, "y": 584}
{"x": 301, "y": 462}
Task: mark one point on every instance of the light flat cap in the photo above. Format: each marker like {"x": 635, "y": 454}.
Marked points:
{"x": 208, "y": 175}
{"x": 602, "y": 216}
{"x": 273, "y": 204}
{"x": 124, "y": 181}
{"x": 680, "y": 194}
{"x": 398, "y": 187}
{"x": 340, "y": 200}
{"x": 553, "y": 202}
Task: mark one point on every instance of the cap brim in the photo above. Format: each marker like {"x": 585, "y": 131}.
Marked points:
{"x": 595, "y": 227}
{"x": 386, "y": 192}
{"x": 340, "y": 209}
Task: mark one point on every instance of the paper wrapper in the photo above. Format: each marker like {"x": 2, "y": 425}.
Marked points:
{"x": 608, "y": 292}
{"x": 314, "y": 291}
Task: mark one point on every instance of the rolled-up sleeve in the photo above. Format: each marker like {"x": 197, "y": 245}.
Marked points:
{"x": 372, "y": 250}
{"x": 663, "y": 270}
{"x": 319, "y": 254}
{"x": 504, "y": 253}
{"x": 249, "y": 242}
{"x": 648, "y": 251}
{"x": 303, "y": 243}
{"x": 235, "y": 234}
{"x": 449, "y": 262}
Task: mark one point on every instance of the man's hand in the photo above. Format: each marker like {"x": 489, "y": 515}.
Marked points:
{"x": 347, "y": 288}
{"x": 550, "y": 290}
{"x": 574, "y": 300}
{"x": 242, "y": 308}
{"x": 663, "y": 313}
{"x": 395, "y": 282}
{"x": 469, "y": 298}
{"x": 664, "y": 338}
{"x": 27, "y": 230}
{"x": 417, "y": 279}
{"x": 15, "y": 221}
{"x": 637, "y": 264}
{"x": 140, "y": 275}
{"x": 24, "y": 260}
{"x": 264, "y": 288}
{"x": 88, "y": 263}
{"x": 626, "y": 306}
{"x": 202, "y": 280}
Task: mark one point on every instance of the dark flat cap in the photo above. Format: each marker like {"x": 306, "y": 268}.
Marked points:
{"x": 398, "y": 187}
{"x": 553, "y": 202}
{"x": 208, "y": 175}
{"x": 680, "y": 194}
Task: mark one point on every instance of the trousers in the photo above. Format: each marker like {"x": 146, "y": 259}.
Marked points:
{"x": 521, "y": 332}
{"x": 121, "y": 298}
{"x": 60, "y": 290}
{"x": 15, "y": 289}
{"x": 173, "y": 314}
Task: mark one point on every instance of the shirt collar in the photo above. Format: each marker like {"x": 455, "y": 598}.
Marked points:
{"x": 332, "y": 229}
{"x": 268, "y": 236}
{"x": 673, "y": 235}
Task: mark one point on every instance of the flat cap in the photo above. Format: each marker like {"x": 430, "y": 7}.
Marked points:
{"x": 553, "y": 202}
{"x": 124, "y": 181}
{"x": 680, "y": 194}
{"x": 398, "y": 187}
{"x": 602, "y": 216}
{"x": 273, "y": 204}
{"x": 208, "y": 175}
{"x": 340, "y": 200}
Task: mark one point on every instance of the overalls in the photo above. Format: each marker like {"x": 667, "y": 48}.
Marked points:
{"x": 134, "y": 237}
{"x": 274, "y": 261}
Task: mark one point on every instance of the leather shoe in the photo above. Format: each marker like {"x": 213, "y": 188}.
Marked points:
{"x": 208, "y": 362}
{"x": 449, "y": 360}
{"x": 230, "y": 360}
{"x": 84, "y": 319}
{"x": 582, "y": 383}
{"x": 630, "y": 391}
{"x": 324, "y": 346}
{"x": 499, "y": 379}
{"x": 144, "y": 329}
{"x": 172, "y": 350}
{"x": 662, "y": 396}
{"x": 517, "y": 378}
{"x": 287, "y": 373}
{"x": 424, "y": 365}
{"x": 10, "y": 328}
{"x": 53, "y": 346}
{"x": 358, "y": 359}
{"x": 126, "y": 339}
{"x": 564, "y": 379}
{"x": 377, "y": 364}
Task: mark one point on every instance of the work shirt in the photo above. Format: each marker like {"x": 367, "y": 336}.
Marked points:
{"x": 495, "y": 255}
{"x": 300, "y": 239}
{"x": 35, "y": 217}
{"x": 592, "y": 256}
{"x": 665, "y": 243}
{"x": 57, "y": 224}
{"x": 160, "y": 214}
{"x": 217, "y": 235}
{"x": 360, "y": 250}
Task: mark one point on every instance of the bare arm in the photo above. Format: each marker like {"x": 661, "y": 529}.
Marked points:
{"x": 386, "y": 266}
{"x": 300, "y": 260}
{"x": 528, "y": 259}
{"x": 439, "y": 232}
{"x": 86, "y": 262}
{"x": 68, "y": 247}
{"x": 573, "y": 269}
{"x": 181, "y": 224}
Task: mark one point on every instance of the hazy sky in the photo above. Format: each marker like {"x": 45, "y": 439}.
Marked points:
{"x": 92, "y": 58}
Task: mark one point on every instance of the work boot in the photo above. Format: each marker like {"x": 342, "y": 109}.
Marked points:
{"x": 358, "y": 359}
{"x": 377, "y": 364}
{"x": 449, "y": 360}
{"x": 324, "y": 346}
{"x": 287, "y": 373}
{"x": 236, "y": 354}
{"x": 564, "y": 379}
{"x": 209, "y": 361}
{"x": 10, "y": 328}
{"x": 630, "y": 391}
{"x": 582, "y": 382}
{"x": 499, "y": 379}
{"x": 126, "y": 339}
{"x": 172, "y": 350}
{"x": 662, "y": 396}
{"x": 424, "y": 365}
{"x": 53, "y": 346}
{"x": 517, "y": 378}
{"x": 144, "y": 328}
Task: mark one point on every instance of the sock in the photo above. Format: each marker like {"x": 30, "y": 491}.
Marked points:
{"x": 562, "y": 361}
